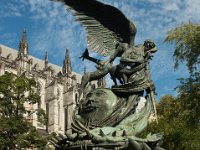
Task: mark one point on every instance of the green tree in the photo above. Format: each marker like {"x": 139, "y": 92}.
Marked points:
{"x": 15, "y": 131}
{"x": 177, "y": 134}
{"x": 179, "y": 117}
{"x": 187, "y": 46}
{"x": 187, "y": 49}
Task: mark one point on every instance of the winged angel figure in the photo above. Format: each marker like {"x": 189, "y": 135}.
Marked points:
{"x": 106, "y": 28}
{"x": 104, "y": 115}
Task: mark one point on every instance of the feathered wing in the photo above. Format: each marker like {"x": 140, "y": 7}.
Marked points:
{"x": 105, "y": 25}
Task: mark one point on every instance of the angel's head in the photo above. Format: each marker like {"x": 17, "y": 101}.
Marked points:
{"x": 150, "y": 46}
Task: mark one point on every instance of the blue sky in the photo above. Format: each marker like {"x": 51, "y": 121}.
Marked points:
{"x": 50, "y": 27}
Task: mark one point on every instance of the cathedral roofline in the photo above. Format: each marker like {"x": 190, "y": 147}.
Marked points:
{"x": 7, "y": 50}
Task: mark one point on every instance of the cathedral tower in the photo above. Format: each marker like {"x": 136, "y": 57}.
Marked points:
{"x": 46, "y": 60}
{"x": 67, "y": 64}
{"x": 22, "y": 57}
{"x": 23, "y": 46}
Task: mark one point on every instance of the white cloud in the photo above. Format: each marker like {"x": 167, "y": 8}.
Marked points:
{"x": 9, "y": 9}
{"x": 172, "y": 7}
{"x": 56, "y": 29}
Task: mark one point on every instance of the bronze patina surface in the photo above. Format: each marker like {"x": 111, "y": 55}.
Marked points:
{"x": 106, "y": 118}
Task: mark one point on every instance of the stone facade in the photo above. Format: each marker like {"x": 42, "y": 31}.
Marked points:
{"x": 58, "y": 86}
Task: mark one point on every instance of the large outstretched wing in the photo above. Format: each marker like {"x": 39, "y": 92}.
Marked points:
{"x": 105, "y": 25}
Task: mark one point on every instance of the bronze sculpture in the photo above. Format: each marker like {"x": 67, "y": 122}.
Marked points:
{"x": 106, "y": 118}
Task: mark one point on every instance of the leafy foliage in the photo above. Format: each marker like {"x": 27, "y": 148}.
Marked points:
{"x": 172, "y": 123}
{"x": 15, "y": 131}
{"x": 187, "y": 46}
{"x": 179, "y": 117}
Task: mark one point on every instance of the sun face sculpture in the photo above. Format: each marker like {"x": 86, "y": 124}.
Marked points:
{"x": 97, "y": 105}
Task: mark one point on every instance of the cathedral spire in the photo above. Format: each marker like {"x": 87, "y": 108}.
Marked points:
{"x": 24, "y": 36}
{"x": 23, "y": 45}
{"x": 67, "y": 64}
{"x": 101, "y": 82}
{"x": 0, "y": 50}
{"x": 0, "y": 55}
{"x": 46, "y": 59}
{"x": 84, "y": 69}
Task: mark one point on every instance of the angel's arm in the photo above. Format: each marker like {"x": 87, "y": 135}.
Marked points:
{"x": 86, "y": 55}
{"x": 139, "y": 59}
{"x": 120, "y": 48}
